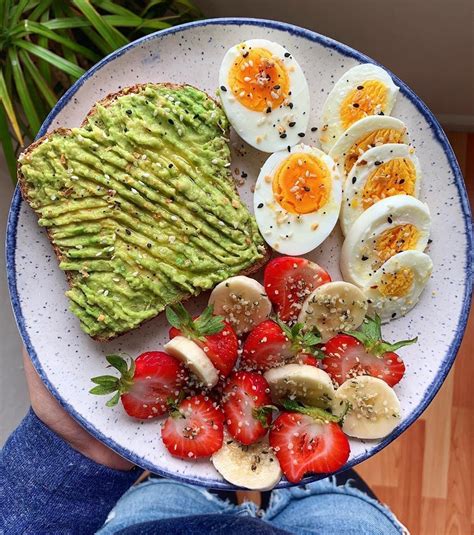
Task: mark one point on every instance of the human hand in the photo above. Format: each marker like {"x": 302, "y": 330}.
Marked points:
{"x": 50, "y": 412}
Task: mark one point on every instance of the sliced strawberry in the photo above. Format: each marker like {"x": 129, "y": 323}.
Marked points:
{"x": 214, "y": 335}
{"x": 146, "y": 387}
{"x": 308, "y": 443}
{"x": 272, "y": 344}
{"x": 364, "y": 353}
{"x": 304, "y": 358}
{"x": 247, "y": 406}
{"x": 195, "y": 429}
{"x": 288, "y": 280}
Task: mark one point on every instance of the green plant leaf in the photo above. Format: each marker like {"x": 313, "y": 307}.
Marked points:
{"x": 23, "y": 93}
{"x": 110, "y": 34}
{"x": 7, "y": 145}
{"x": 105, "y": 380}
{"x": 37, "y": 77}
{"x": 52, "y": 58}
{"x": 102, "y": 390}
{"x": 8, "y": 106}
{"x": 38, "y": 11}
{"x": 67, "y": 23}
{"x": 113, "y": 400}
{"x": 41, "y": 29}
{"x": 314, "y": 412}
{"x": 17, "y": 12}
{"x": 119, "y": 363}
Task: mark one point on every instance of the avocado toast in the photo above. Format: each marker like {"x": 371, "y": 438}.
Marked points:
{"x": 140, "y": 206}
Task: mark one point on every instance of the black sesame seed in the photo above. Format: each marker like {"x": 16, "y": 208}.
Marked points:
{"x": 389, "y": 219}
{"x": 290, "y": 105}
{"x": 364, "y": 258}
{"x": 355, "y": 105}
{"x": 268, "y": 110}
{"x": 128, "y": 232}
{"x": 377, "y": 163}
{"x": 394, "y": 314}
{"x": 288, "y": 148}
{"x": 354, "y": 179}
{"x": 223, "y": 88}
{"x": 245, "y": 54}
{"x": 128, "y": 112}
{"x": 314, "y": 128}
{"x": 170, "y": 165}
{"x": 276, "y": 87}
{"x": 287, "y": 54}
{"x": 306, "y": 188}
{"x": 260, "y": 205}
{"x": 171, "y": 121}
{"x": 244, "y": 174}
{"x": 301, "y": 134}
{"x": 148, "y": 245}
{"x": 401, "y": 181}
{"x": 430, "y": 241}
{"x": 359, "y": 87}
{"x": 283, "y": 135}
{"x": 381, "y": 113}
{"x": 292, "y": 124}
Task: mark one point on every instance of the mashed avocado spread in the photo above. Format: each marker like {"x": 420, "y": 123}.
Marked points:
{"x": 140, "y": 205}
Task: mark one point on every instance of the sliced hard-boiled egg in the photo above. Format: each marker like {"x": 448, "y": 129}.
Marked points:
{"x": 362, "y": 91}
{"x": 396, "y": 287}
{"x": 297, "y": 199}
{"x": 390, "y": 226}
{"x": 366, "y": 133}
{"x": 381, "y": 172}
{"x": 264, "y": 94}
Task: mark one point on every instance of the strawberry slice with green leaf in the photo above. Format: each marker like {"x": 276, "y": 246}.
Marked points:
{"x": 146, "y": 385}
{"x": 364, "y": 352}
{"x": 194, "y": 429}
{"x": 247, "y": 406}
{"x": 308, "y": 440}
{"x": 212, "y": 333}
{"x": 272, "y": 344}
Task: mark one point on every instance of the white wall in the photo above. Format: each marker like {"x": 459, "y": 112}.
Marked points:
{"x": 428, "y": 43}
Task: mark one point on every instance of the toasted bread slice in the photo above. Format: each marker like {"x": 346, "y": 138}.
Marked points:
{"x": 140, "y": 206}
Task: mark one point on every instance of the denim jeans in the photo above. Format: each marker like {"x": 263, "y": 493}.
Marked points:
{"x": 321, "y": 508}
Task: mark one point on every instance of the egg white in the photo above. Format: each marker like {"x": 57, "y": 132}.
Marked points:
{"x": 358, "y": 131}
{"x": 260, "y": 129}
{"x": 362, "y": 170}
{"x": 331, "y": 120}
{"x": 301, "y": 237}
{"x": 383, "y": 215}
{"x": 388, "y": 307}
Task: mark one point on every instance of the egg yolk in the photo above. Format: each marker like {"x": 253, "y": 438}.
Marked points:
{"x": 302, "y": 184}
{"x": 396, "y": 284}
{"x": 395, "y": 240}
{"x": 395, "y": 177}
{"x": 368, "y": 98}
{"x": 375, "y": 138}
{"x": 259, "y": 80}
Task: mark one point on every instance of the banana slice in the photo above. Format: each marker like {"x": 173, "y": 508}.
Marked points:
{"x": 334, "y": 307}
{"x": 301, "y": 382}
{"x": 194, "y": 358}
{"x": 242, "y": 301}
{"x": 252, "y": 467}
{"x": 373, "y": 407}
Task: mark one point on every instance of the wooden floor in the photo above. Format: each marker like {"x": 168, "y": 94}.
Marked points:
{"x": 426, "y": 476}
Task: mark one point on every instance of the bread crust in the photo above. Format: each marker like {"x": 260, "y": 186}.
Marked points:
{"x": 107, "y": 101}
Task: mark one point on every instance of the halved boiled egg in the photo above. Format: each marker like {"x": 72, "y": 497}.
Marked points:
{"x": 396, "y": 287}
{"x": 264, "y": 94}
{"x": 381, "y": 172}
{"x": 362, "y": 91}
{"x": 388, "y": 227}
{"x": 297, "y": 199}
{"x": 363, "y": 135}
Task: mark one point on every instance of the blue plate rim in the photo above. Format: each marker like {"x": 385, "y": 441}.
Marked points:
{"x": 432, "y": 389}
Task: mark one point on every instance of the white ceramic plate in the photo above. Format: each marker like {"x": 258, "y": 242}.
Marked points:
{"x": 66, "y": 358}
